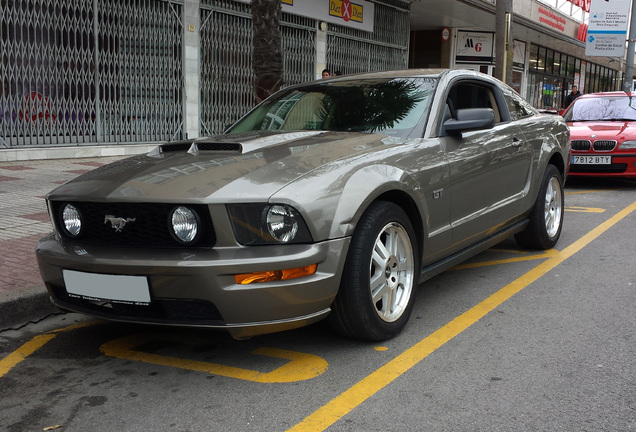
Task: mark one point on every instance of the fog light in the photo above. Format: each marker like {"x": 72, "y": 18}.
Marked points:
{"x": 184, "y": 224}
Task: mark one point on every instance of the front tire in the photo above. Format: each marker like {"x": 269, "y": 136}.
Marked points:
{"x": 546, "y": 217}
{"x": 377, "y": 289}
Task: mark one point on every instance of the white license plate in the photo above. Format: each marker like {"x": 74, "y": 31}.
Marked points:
{"x": 592, "y": 160}
{"x": 115, "y": 288}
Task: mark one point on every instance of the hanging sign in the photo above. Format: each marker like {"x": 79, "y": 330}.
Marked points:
{"x": 607, "y": 28}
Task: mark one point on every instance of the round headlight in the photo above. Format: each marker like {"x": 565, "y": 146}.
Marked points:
{"x": 281, "y": 223}
{"x": 184, "y": 224}
{"x": 72, "y": 219}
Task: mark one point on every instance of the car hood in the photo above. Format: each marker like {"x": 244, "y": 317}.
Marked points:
{"x": 610, "y": 130}
{"x": 225, "y": 168}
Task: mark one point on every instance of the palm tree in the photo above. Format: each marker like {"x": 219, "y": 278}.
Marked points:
{"x": 267, "y": 56}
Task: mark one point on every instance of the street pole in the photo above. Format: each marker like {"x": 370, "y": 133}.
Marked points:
{"x": 504, "y": 41}
{"x": 631, "y": 45}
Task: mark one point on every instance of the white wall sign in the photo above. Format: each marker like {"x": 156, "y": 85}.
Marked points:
{"x": 607, "y": 29}
{"x": 474, "y": 47}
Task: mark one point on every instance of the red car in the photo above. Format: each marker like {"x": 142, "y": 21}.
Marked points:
{"x": 603, "y": 134}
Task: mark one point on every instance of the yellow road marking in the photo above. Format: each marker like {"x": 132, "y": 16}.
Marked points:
{"x": 343, "y": 404}
{"x": 585, "y": 209}
{"x": 10, "y": 361}
{"x": 7, "y": 363}
{"x": 542, "y": 255}
{"x": 588, "y": 191}
{"x": 301, "y": 366}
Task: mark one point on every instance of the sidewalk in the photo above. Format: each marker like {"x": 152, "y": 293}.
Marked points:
{"x": 23, "y": 221}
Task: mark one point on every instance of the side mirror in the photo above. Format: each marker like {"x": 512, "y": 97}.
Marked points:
{"x": 470, "y": 119}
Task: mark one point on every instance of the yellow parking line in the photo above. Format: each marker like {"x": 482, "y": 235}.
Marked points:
{"x": 301, "y": 366}
{"x": 341, "y": 405}
{"x": 543, "y": 255}
{"x": 588, "y": 191}
{"x": 10, "y": 361}
{"x": 585, "y": 209}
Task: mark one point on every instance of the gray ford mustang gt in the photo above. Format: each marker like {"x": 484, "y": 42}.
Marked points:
{"x": 331, "y": 199}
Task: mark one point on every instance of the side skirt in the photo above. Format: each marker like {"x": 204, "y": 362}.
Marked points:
{"x": 461, "y": 256}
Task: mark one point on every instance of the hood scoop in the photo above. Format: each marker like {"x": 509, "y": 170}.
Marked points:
{"x": 194, "y": 148}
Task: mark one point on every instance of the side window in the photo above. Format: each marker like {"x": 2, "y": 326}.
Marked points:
{"x": 518, "y": 107}
{"x": 473, "y": 95}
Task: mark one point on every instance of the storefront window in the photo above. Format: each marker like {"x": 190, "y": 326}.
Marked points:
{"x": 549, "y": 62}
{"x": 552, "y": 74}
{"x": 569, "y": 68}
{"x": 559, "y": 63}
{"x": 533, "y": 57}
{"x": 541, "y": 59}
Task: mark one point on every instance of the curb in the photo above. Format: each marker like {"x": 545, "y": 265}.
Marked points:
{"x": 23, "y": 306}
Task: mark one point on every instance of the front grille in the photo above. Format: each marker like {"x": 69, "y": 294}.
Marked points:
{"x": 150, "y": 227}
{"x": 175, "y": 311}
{"x": 604, "y": 145}
{"x": 581, "y": 145}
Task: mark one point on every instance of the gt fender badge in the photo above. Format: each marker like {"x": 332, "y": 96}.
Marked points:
{"x": 437, "y": 194}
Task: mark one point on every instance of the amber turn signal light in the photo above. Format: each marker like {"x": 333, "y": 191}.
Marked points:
{"x": 275, "y": 275}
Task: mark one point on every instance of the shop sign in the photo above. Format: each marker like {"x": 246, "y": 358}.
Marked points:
{"x": 358, "y": 14}
{"x": 583, "y": 4}
{"x": 582, "y": 35}
{"x": 607, "y": 28}
{"x": 551, "y": 19}
{"x": 474, "y": 47}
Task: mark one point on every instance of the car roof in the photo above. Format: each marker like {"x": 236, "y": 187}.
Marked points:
{"x": 608, "y": 94}
{"x": 408, "y": 73}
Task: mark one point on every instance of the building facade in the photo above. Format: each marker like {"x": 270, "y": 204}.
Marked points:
{"x": 113, "y": 72}
{"x": 103, "y": 72}
{"x": 549, "y": 45}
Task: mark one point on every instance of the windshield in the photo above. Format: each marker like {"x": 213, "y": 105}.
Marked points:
{"x": 601, "y": 108}
{"x": 391, "y": 106}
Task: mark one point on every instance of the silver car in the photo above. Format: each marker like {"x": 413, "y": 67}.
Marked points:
{"x": 331, "y": 199}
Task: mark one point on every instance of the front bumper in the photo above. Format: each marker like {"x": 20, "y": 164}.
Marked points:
{"x": 196, "y": 287}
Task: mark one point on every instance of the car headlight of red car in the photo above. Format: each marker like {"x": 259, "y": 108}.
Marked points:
{"x": 259, "y": 224}
{"x": 627, "y": 145}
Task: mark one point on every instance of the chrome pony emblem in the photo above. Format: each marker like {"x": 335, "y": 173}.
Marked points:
{"x": 117, "y": 222}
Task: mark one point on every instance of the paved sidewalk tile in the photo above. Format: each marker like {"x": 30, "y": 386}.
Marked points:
{"x": 23, "y": 214}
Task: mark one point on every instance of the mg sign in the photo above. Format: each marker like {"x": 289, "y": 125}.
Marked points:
{"x": 474, "y": 47}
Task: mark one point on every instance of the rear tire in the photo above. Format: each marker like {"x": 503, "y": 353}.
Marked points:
{"x": 377, "y": 289}
{"x": 546, "y": 217}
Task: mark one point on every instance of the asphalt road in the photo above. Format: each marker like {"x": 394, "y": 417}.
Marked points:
{"x": 511, "y": 341}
